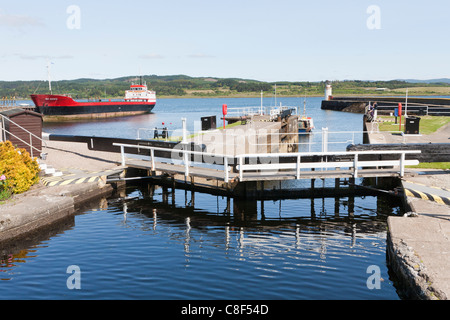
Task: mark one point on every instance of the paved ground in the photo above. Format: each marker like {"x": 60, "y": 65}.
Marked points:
{"x": 426, "y": 236}
{"x": 442, "y": 135}
{"x": 76, "y": 164}
{"x": 429, "y": 185}
{"x": 63, "y": 155}
{"x": 251, "y": 137}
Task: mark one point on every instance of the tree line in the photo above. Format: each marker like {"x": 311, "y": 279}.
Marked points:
{"x": 180, "y": 85}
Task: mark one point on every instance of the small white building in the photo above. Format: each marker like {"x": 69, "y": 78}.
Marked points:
{"x": 328, "y": 91}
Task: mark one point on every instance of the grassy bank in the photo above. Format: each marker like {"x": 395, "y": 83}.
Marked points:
{"x": 432, "y": 165}
{"x": 285, "y": 91}
{"x": 428, "y": 124}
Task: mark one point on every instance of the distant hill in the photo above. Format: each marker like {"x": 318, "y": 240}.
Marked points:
{"x": 441, "y": 80}
{"x": 170, "y": 85}
{"x": 186, "y": 86}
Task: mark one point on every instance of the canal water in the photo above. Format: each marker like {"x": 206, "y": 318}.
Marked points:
{"x": 149, "y": 242}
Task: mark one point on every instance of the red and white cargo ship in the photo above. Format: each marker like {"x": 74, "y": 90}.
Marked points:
{"x": 138, "y": 100}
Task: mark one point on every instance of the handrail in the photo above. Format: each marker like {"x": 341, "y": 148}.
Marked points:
{"x": 327, "y": 153}
{"x": 185, "y": 158}
{"x": 350, "y": 164}
{"x": 355, "y": 163}
{"x": 27, "y": 131}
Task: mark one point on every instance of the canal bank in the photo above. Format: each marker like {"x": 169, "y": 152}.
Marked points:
{"x": 43, "y": 206}
{"x": 418, "y": 243}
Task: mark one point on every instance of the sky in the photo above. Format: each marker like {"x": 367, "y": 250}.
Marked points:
{"x": 283, "y": 40}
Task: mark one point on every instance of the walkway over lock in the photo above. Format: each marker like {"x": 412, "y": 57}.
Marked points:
{"x": 269, "y": 166}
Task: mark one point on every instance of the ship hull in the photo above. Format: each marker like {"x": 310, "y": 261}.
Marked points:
{"x": 56, "y": 108}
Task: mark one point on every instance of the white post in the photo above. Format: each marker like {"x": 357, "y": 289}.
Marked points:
{"x": 406, "y": 102}
{"x": 183, "y": 120}
{"x": 225, "y": 167}
{"x": 241, "y": 163}
{"x": 122, "y": 154}
{"x": 355, "y": 166}
{"x": 298, "y": 167}
{"x": 152, "y": 155}
{"x": 324, "y": 139}
{"x": 402, "y": 165}
{"x": 186, "y": 163}
{"x": 260, "y": 110}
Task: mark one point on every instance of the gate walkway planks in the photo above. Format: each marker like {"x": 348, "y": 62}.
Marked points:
{"x": 272, "y": 166}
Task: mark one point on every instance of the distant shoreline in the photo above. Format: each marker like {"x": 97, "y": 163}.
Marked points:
{"x": 181, "y": 86}
{"x": 269, "y": 95}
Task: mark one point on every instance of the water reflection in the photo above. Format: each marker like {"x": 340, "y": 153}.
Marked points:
{"x": 319, "y": 218}
{"x": 13, "y": 253}
{"x": 23, "y": 249}
{"x": 324, "y": 245}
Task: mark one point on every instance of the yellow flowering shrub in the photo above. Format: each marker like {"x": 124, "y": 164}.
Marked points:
{"x": 18, "y": 170}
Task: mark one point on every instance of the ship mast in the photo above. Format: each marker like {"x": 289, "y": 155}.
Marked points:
{"x": 48, "y": 75}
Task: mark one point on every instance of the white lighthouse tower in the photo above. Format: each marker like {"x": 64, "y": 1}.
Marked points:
{"x": 328, "y": 90}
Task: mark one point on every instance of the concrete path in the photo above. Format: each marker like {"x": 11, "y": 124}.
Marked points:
{"x": 422, "y": 242}
{"x": 442, "y": 135}
{"x": 430, "y": 185}
{"x": 76, "y": 164}
{"x": 419, "y": 243}
{"x": 252, "y": 137}
{"x": 62, "y": 155}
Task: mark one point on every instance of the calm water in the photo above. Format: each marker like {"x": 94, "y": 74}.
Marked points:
{"x": 152, "y": 243}
{"x": 168, "y": 113}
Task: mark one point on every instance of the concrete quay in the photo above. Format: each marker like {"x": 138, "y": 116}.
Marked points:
{"x": 418, "y": 244}
{"x": 257, "y": 135}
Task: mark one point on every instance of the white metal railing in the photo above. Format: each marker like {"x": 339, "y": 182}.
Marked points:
{"x": 353, "y": 164}
{"x": 317, "y": 140}
{"x": 295, "y": 167}
{"x": 31, "y": 135}
{"x": 245, "y": 111}
{"x": 255, "y": 110}
{"x": 187, "y": 163}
